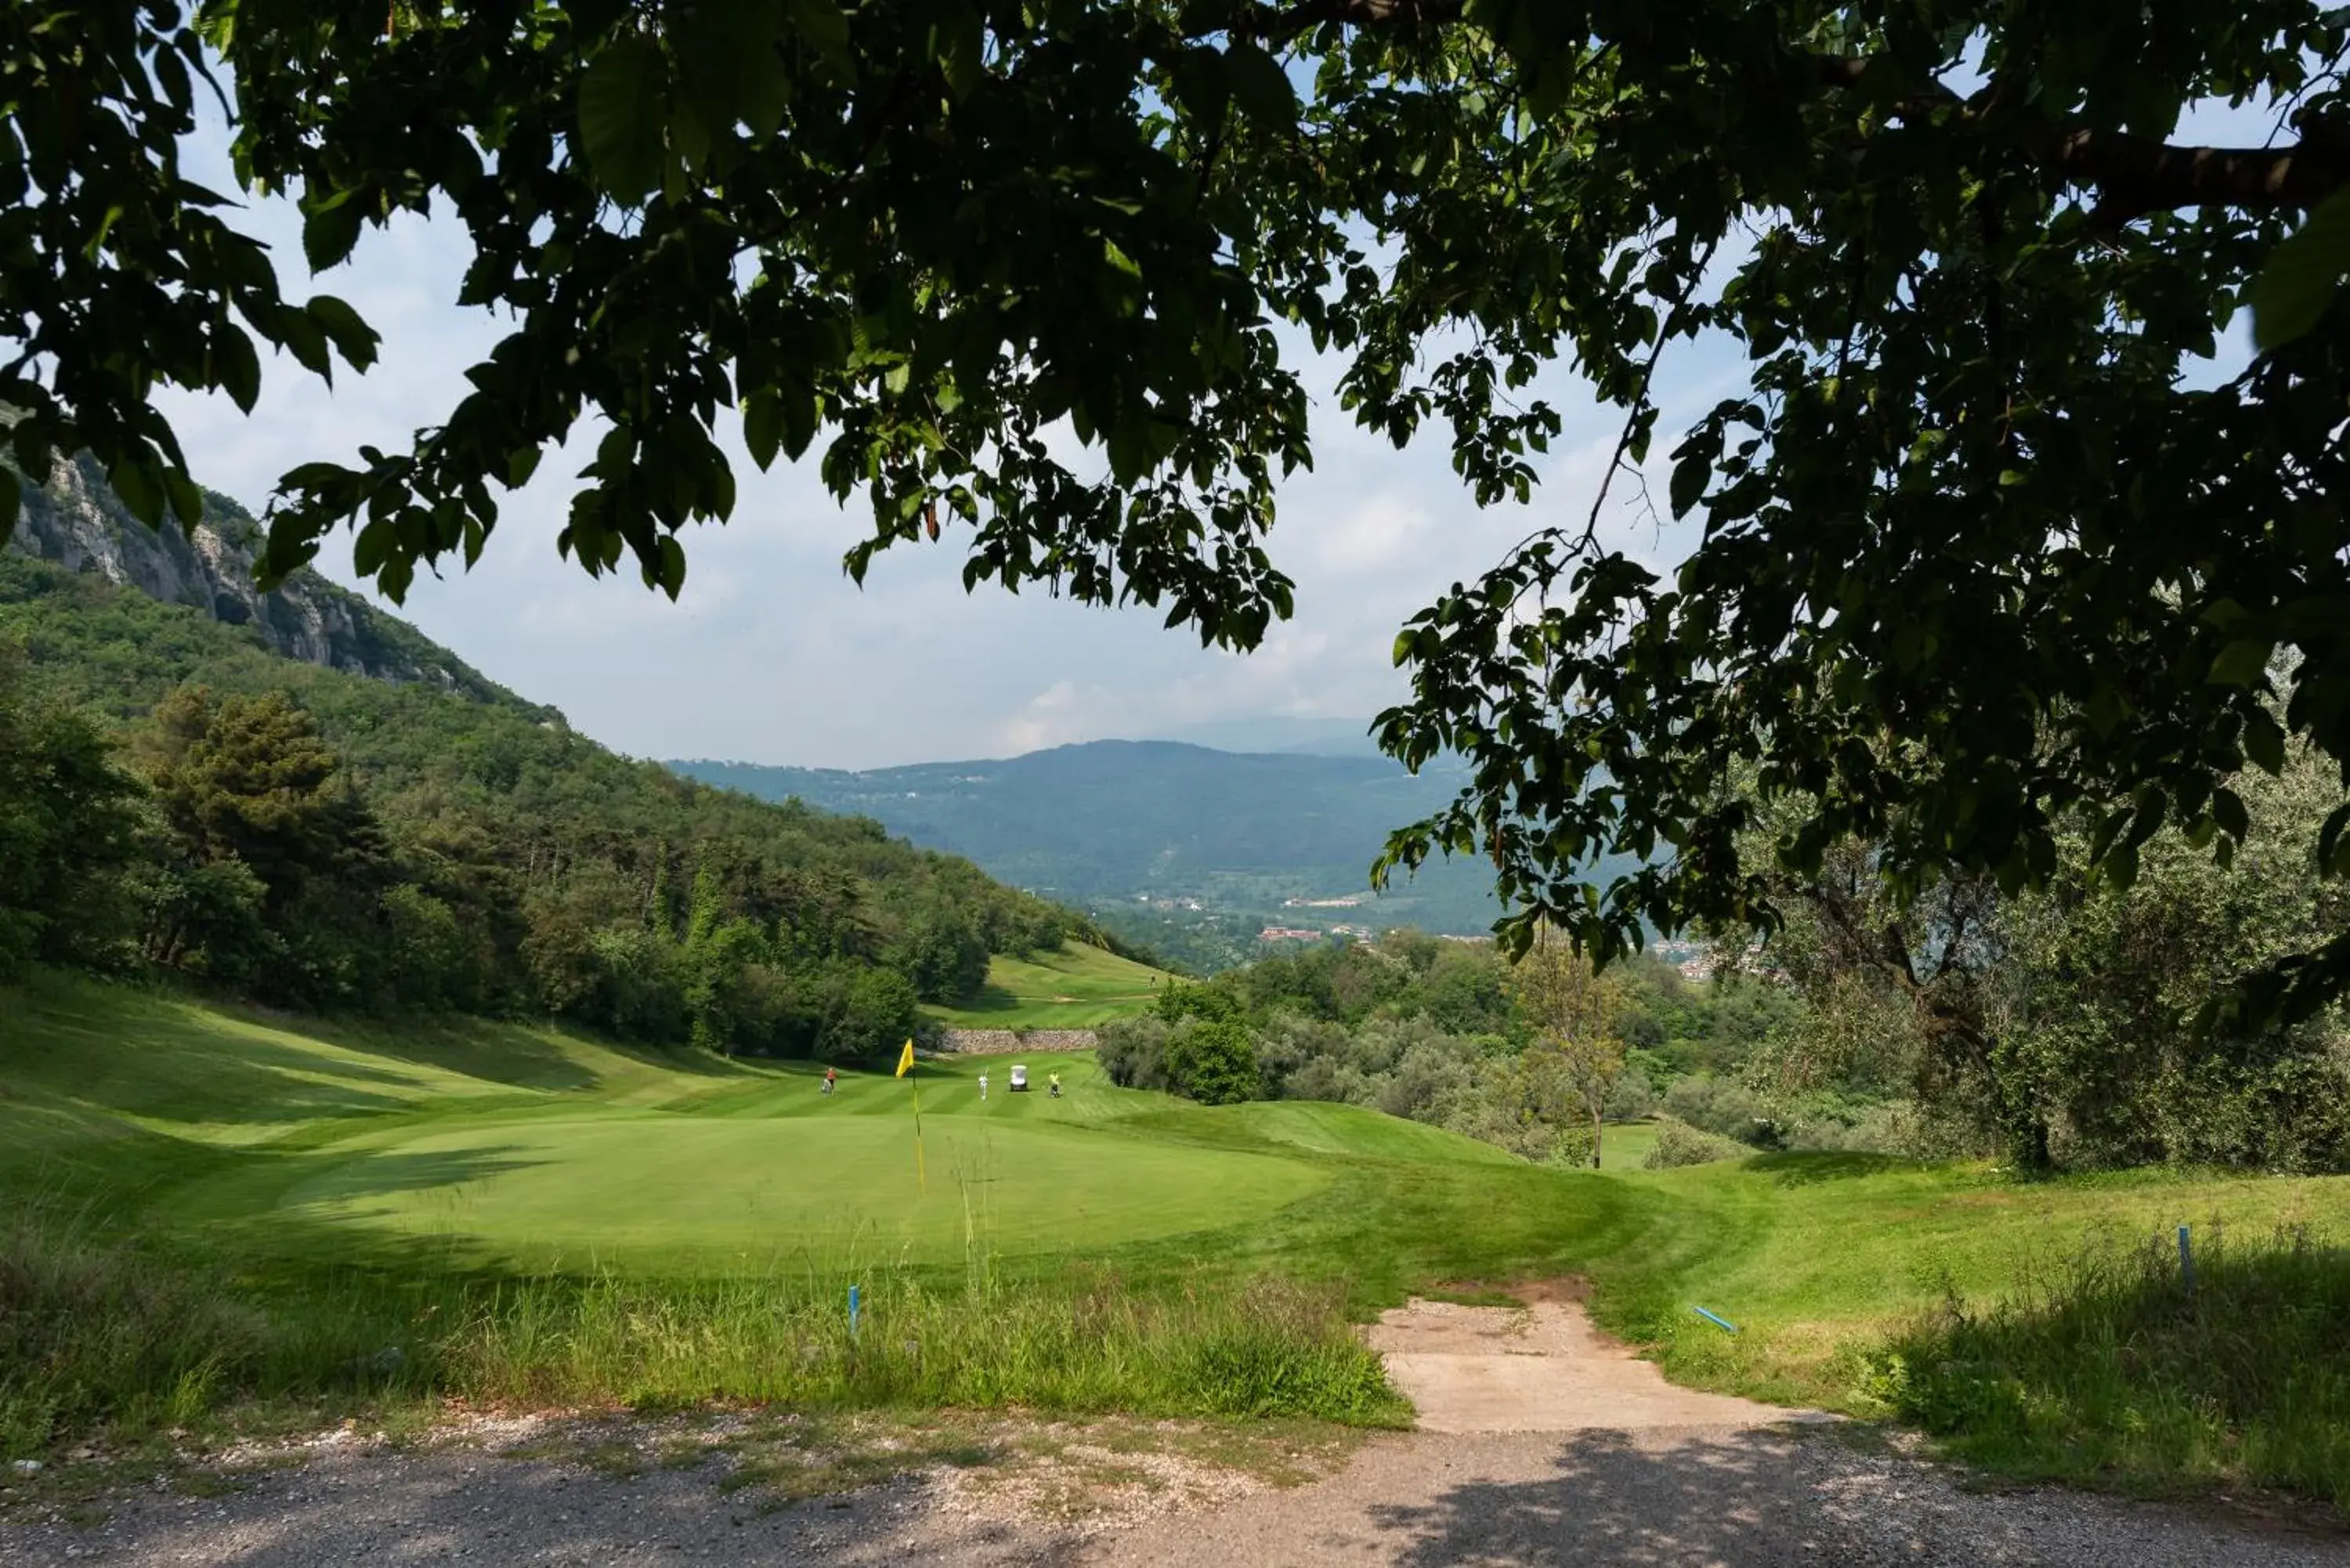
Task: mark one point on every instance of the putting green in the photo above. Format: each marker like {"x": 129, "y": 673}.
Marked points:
{"x": 652, "y": 1189}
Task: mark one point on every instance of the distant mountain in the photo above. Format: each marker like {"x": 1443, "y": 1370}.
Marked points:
{"x": 1190, "y": 849}
{"x": 1278, "y": 732}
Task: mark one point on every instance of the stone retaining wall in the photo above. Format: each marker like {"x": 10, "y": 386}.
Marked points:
{"x": 1011, "y": 1042}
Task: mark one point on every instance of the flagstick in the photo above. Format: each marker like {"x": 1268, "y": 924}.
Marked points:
{"x": 914, "y": 1075}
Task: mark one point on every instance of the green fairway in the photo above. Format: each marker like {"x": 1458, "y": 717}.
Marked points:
{"x": 380, "y": 1168}
{"x": 1077, "y": 987}
{"x": 665, "y": 1190}
{"x": 1625, "y": 1146}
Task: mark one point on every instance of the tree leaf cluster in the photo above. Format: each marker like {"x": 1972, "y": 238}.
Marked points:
{"x": 1983, "y": 548}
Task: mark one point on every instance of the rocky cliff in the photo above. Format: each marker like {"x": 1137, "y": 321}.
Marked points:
{"x": 77, "y": 521}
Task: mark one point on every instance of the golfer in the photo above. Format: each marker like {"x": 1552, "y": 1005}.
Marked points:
{"x": 983, "y": 1085}
{"x": 831, "y": 1076}
{"x": 1056, "y": 1085}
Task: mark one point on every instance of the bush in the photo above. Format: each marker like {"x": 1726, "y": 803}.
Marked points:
{"x": 1212, "y": 1062}
{"x": 1133, "y": 1051}
{"x": 1726, "y": 1108}
{"x": 1678, "y": 1143}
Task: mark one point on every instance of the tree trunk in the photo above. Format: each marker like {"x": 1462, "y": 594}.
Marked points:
{"x": 1595, "y": 1117}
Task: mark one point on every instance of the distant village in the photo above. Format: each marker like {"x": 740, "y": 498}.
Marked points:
{"x": 1694, "y": 961}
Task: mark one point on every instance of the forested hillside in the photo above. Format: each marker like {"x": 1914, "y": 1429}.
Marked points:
{"x": 174, "y": 792}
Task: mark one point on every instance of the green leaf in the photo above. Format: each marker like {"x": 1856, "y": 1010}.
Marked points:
{"x": 800, "y": 413}
{"x": 2264, "y": 744}
{"x": 2241, "y": 662}
{"x": 187, "y": 501}
{"x": 728, "y": 52}
{"x": 329, "y": 231}
{"x": 140, "y": 484}
{"x": 2330, "y": 841}
{"x": 666, "y": 571}
{"x": 345, "y": 328}
{"x": 823, "y": 25}
{"x": 2228, "y": 811}
{"x": 1690, "y": 476}
{"x": 623, "y": 114}
{"x": 763, "y": 426}
{"x": 236, "y": 369}
{"x": 962, "y": 48}
{"x": 2302, "y": 275}
{"x": 373, "y": 548}
{"x": 1261, "y": 87}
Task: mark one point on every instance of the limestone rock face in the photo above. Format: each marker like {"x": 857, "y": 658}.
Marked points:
{"x": 77, "y": 521}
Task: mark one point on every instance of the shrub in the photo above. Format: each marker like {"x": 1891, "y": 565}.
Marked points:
{"x": 1725, "y": 1108}
{"x": 1678, "y": 1143}
{"x": 1133, "y": 1051}
{"x": 1213, "y": 1062}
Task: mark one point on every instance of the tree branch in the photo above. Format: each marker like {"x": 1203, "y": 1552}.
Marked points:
{"x": 2134, "y": 175}
{"x": 1288, "y": 21}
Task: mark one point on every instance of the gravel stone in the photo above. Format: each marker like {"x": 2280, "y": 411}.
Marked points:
{"x": 1701, "y": 1497}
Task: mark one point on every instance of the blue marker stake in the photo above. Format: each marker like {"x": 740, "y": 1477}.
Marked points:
{"x": 2185, "y": 1263}
{"x": 1722, "y": 1323}
{"x": 852, "y": 1309}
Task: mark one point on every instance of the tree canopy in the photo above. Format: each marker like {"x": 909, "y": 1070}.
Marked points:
{"x": 1990, "y": 551}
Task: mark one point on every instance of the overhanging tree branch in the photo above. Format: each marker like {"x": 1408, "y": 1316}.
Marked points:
{"x": 1288, "y": 21}
{"x": 2133, "y": 174}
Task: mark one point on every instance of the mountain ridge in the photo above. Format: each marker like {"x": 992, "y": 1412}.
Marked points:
{"x": 76, "y": 522}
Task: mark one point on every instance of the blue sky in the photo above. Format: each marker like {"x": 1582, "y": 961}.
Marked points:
{"x": 772, "y": 655}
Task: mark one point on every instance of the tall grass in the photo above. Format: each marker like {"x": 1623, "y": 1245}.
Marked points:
{"x": 1083, "y": 1345}
{"x": 112, "y": 1337}
{"x": 2102, "y": 1366}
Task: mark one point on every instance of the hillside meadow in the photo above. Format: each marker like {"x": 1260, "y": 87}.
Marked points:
{"x": 1074, "y": 986}
{"x": 230, "y": 1217}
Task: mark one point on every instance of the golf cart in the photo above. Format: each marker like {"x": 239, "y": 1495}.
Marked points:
{"x": 1019, "y": 1080}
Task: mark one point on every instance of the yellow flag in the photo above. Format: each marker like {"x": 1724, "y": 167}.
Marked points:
{"x": 906, "y": 1061}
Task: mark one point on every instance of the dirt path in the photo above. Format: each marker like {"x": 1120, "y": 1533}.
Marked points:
{"x": 1543, "y": 1446}
{"x": 1543, "y": 1369}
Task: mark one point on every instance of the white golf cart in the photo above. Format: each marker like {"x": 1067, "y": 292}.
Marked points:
{"x": 1019, "y": 1080}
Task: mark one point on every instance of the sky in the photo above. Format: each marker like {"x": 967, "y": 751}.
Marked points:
{"x": 772, "y": 655}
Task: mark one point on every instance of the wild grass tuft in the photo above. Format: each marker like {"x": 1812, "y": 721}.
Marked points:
{"x": 2100, "y": 1365}
{"x": 1080, "y": 1346}
{"x": 91, "y": 1332}
{"x": 114, "y": 1336}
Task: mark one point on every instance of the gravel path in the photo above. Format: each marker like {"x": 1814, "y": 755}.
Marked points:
{"x": 1690, "y": 1498}
{"x": 393, "y": 1510}
{"x": 1542, "y": 1447}
{"x": 1722, "y": 1498}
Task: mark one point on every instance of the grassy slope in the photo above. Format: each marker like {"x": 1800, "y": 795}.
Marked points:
{"x": 1077, "y": 987}
{"x": 521, "y": 1136}
{"x": 503, "y": 1144}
